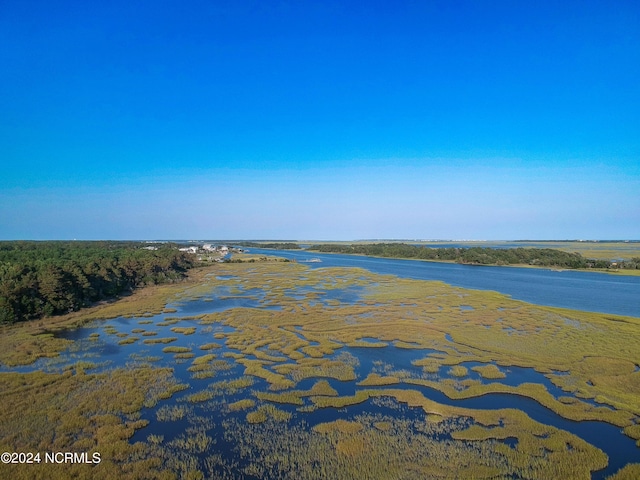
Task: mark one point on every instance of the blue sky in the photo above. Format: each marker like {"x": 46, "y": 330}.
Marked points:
{"x": 320, "y": 120}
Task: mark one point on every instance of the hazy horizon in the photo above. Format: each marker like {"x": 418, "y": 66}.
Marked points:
{"x": 327, "y": 240}
{"x": 333, "y": 121}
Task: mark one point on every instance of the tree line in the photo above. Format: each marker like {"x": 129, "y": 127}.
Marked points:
{"x": 545, "y": 257}
{"x": 39, "y": 279}
{"x": 273, "y": 245}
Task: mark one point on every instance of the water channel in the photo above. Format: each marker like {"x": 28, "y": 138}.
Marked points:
{"x": 577, "y": 290}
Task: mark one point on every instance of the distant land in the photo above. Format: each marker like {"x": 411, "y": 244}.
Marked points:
{"x": 611, "y": 250}
{"x": 50, "y": 278}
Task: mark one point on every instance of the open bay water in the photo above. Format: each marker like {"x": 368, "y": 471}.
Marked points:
{"x": 577, "y": 290}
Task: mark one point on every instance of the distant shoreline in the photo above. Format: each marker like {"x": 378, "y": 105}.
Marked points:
{"x": 610, "y": 271}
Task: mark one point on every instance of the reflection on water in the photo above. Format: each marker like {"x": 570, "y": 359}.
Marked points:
{"x": 221, "y": 299}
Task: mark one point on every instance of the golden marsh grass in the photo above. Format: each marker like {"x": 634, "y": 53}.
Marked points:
{"x": 588, "y": 355}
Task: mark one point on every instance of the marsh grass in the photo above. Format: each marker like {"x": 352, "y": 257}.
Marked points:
{"x": 304, "y": 340}
{"x": 376, "y": 446}
{"x": 295, "y": 397}
{"x": 201, "y": 396}
{"x": 204, "y": 359}
{"x": 291, "y": 397}
{"x": 167, "y": 322}
{"x": 26, "y": 342}
{"x": 70, "y": 412}
{"x": 174, "y": 349}
{"x": 207, "y": 366}
{"x": 154, "y": 341}
{"x": 598, "y": 250}
{"x": 318, "y": 368}
{"x": 172, "y": 413}
{"x": 341, "y": 426}
{"x": 365, "y": 344}
{"x": 629, "y": 472}
{"x": 244, "y": 404}
{"x": 633, "y": 431}
{"x": 195, "y": 442}
{"x": 231, "y": 387}
{"x": 268, "y": 412}
{"x": 418, "y": 314}
{"x": 374, "y": 379}
{"x": 491, "y": 372}
{"x": 256, "y": 368}
{"x": 184, "y": 330}
{"x": 184, "y": 355}
{"x": 429, "y": 365}
{"x": 19, "y": 346}
{"x": 573, "y": 410}
{"x": 458, "y": 371}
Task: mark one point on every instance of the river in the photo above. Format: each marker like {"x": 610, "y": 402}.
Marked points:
{"x": 577, "y": 290}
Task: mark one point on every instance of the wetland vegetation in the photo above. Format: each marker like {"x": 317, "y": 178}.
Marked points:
{"x": 481, "y": 255}
{"x": 323, "y": 373}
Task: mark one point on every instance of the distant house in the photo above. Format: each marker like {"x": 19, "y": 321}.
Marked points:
{"x": 189, "y": 249}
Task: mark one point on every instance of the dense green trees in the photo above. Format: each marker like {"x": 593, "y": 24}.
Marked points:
{"x": 545, "y": 257}
{"x": 48, "y": 278}
{"x": 274, "y": 245}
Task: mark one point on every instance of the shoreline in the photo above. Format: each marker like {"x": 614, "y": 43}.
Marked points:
{"x": 627, "y": 272}
{"x": 113, "y": 307}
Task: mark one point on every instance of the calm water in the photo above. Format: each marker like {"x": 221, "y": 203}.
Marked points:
{"x": 589, "y": 291}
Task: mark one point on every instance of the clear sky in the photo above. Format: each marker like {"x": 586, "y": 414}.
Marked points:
{"x": 319, "y": 119}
